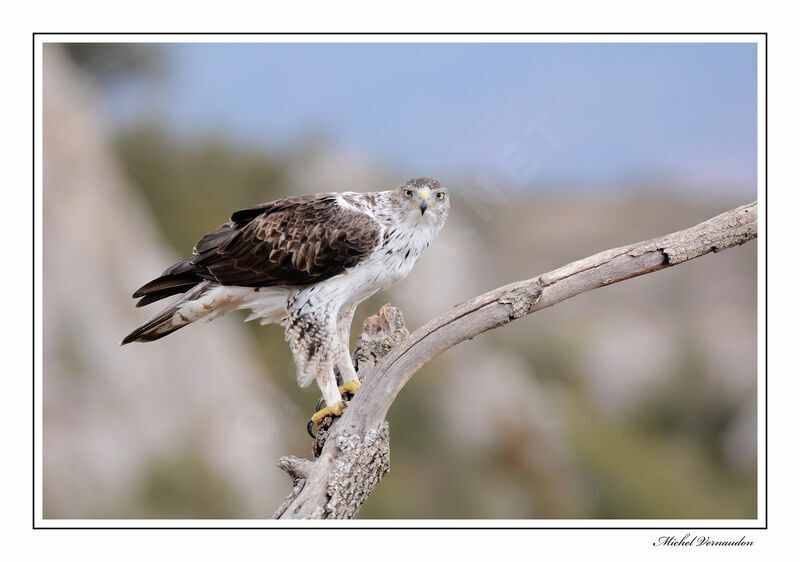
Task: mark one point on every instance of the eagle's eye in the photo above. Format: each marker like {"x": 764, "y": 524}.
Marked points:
{"x": 408, "y": 193}
{"x": 440, "y": 195}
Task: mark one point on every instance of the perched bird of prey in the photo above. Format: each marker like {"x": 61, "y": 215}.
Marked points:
{"x": 305, "y": 262}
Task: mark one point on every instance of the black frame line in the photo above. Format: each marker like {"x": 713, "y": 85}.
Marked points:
{"x": 338, "y": 527}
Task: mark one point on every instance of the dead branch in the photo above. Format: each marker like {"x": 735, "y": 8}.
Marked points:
{"x": 353, "y": 453}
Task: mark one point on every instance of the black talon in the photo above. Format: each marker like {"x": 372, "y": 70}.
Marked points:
{"x": 319, "y": 403}
{"x": 310, "y": 424}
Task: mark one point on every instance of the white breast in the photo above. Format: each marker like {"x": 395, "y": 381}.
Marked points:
{"x": 401, "y": 252}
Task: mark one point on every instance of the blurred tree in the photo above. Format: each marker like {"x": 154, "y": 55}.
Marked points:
{"x": 193, "y": 186}
{"x": 111, "y": 61}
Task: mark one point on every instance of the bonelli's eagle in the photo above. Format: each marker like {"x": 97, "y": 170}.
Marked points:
{"x": 304, "y": 262}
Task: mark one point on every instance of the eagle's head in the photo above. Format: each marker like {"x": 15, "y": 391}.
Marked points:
{"x": 424, "y": 200}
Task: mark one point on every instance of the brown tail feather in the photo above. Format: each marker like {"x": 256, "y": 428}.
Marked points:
{"x": 156, "y": 295}
{"x": 163, "y": 324}
{"x": 173, "y": 281}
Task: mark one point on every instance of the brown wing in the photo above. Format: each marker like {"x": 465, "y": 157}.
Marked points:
{"x": 293, "y": 241}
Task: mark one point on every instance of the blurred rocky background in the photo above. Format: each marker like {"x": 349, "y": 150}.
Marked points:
{"x": 634, "y": 401}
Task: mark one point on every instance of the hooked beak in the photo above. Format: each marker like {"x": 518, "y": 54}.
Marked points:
{"x": 424, "y": 197}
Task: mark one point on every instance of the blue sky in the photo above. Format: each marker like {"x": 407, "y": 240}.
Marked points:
{"x": 589, "y": 114}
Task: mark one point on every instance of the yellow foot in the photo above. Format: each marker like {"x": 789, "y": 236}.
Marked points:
{"x": 335, "y": 410}
{"x": 349, "y": 387}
